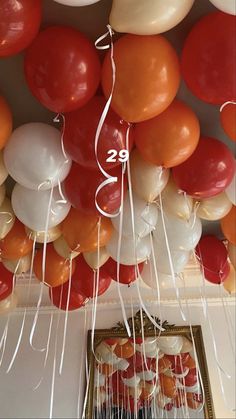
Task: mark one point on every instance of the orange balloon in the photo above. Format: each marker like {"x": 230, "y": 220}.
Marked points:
{"x": 190, "y": 363}
{"x": 147, "y": 76}
{"x": 228, "y": 120}
{"x": 5, "y": 122}
{"x": 228, "y": 225}
{"x": 163, "y": 364}
{"x": 57, "y": 269}
{"x": 192, "y": 402}
{"x": 168, "y": 386}
{"x": 16, "y": 243}
{"x": 81, "y": 231}
{"x": 124, "y": 351}
{"x": 170, "y": 138}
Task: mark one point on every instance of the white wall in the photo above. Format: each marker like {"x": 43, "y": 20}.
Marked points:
{"x": 17, "y": 398}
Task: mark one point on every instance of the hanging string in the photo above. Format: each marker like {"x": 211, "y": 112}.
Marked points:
{"x": 83, "y": 356}
{"x": 231, "y": 341}
{"x": 227, "y": 103}
{"x": 3, "y": 340}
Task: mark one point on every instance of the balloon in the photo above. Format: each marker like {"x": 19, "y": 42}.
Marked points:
{"x": 62, "y": 69}
{"x": 125, "y": 351}
{"x": 170, "y": 345}
{"x": 149, "y": 278}
{"x": 79, "y": 139}
{"x": 5, "y": 118}
{"x": 3, "y": 170}
{"x": 181, "y": 234}
{"x": 105, "y": 353}
{"x": 147, "y": 17}
{"x": 148, "y": 180}
{"x": 57, "y": 269}
{"x": 96, "y": 259}
{"x": 228, "y": 225}
{"x": 230, "y": 282}
{"x": 7, "y": 218}
{"x": 87, "y": 282}
{"x": 175, "y": 202}
{"x": 212, "y": 256}
{"x": 2, "y": 194}
{"x": 131, "y": 252}
{"x": 33, "y": 156}
{"x": 214, "y": 208}
{"x": 144, "y": 217}
{"x": 33, "y": 208}
{"x": 81, "y": 185}
{"x": 208, "y": 171}
{"x": 145, "y": 83}
{"x": 232, "y": 254}
{"x": 18, "y": 266}
{"x": 16, "y": 244}
{"x": 170, "y": 138}
{"x": 40, "y": 236}
{"x": 81, "y": 231}
{"x": 228, "y": 120}
{"x": 127, "y": 274}
{"x": 168, "y": 386}
{"x": 191, "y": 378}
{"x": 20, "y": 22}
{"x": 59, "y": 297}
{"x": 192, "y": 402}
{"x": 76, "y": 2}
{"x": 187, "y": 345}
{"x": 227, "y": 6}
{"x": 231, "y": 190}
{"x": 6, "y": 282}
{"x": 8, "y": 304}
{"x": 208, "y": 57}
{"x": 63, "y": 250}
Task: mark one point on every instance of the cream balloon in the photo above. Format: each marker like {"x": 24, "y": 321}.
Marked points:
{"x": 8, "y": 304}
{"x": 104, "y": 353}
{"x": 232, "y": 254}
{"x": 3, "y": 170}
{"x": 76, "y": 3}
{"x": 145, "y": 217}
{"x": 230, "y": 282}
{"x": 148, "y": 17}
{"x": 214, "y": 208}
{"x": 148, "y": 180}
{"x": 146, "y": 375}
{"x": 132, "y": 381}
{"x": 32, "y": 207}
{"x": 7, "y": 218}
{"x": 94, "y": 259}
{"x": 39, "y": 236}
{"x": 170, "y": 345}
{"x": 33, "y": 156}
{"x": 149, "y": 277}
{"x": 123, "y": 365}
{"x": 18, "y": 266}
{"x": 178, "y": 259}
{"x": 187, "y": 346}
{"x": 231, "y": 190}
{"x": 227, "y": 6}
{"x": 131, "y": 252}
{"x": 2, "y": 193}
{"x": 176, "y": 202}
{"x": 62, "y": 248}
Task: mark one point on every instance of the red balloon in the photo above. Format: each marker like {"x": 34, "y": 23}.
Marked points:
{"x": 209, "y": 57}
{"x": 6, "y": 282}
{"x": 213, "y": 258}
{"x": 59, "y": 296}
{"x": 81, "y": 185}
{"x": 190, "y": 379}
{"x": 208, "y": 171}
{"x": 19, "y": 24}
{"x": 62, "y": 69}
{"x": 127, "y": 274}
{"x": 80, "y": 130}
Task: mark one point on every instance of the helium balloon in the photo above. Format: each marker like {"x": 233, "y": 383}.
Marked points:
{"x": 2, "y": 194}
{"x": 148, "y": 180}
{"x": 147, "y": 17}
{"x": 170, "y": 345}
{"x": 230, "y": 282}
{"x": 7, "y": 218}
{"x": 8, "y": 304}
{"x": 83, "y": 233}
{"x": 3, "y": 170}
{"x": 176, "y": 202}
{"x": 63, "y": 250}
{"x": 76, "y": 3}
{"x": 212, "y": 256}
{"x": 105, "y": 354}
{"x": 208, "y": 56}
{"x": 228, "y": 225}
{"x": 132, "y": 251}
{"x": 62, "y": 69}
{"x": 208, "y": 171}
{"x": 179, "y": 259}
{"x": 127, "y": 274}
{"x": 79, "y": 139}
{"x": 149, "y": 278}
{"x": 125, "y": 351}
{"x": 18, "y": 266}
{"x": 20, "y": 22}
{"x": 214, "y": 208}
{"x": 5, "y": 117}
{"x": 42, "y": 236}
{"x": 81, "y": 185}
{"x": 170, "y": 138}
{"x": 36, "y": 210}
{"x": 187, "y": 345}
{"x": 227, "y": 6}
{"x": 228, "y": 120}
{"x": 33, "y": 156}
{"x": 6, "y": 282}
{"x": 231, "y": 189}
{"x": 144, "y": 217}
{"x": 192, "y": 402}
{"x": 145, "y": 84}
{"x": 57, "y": 269}
{"x": 232, "y": 253}
{"x": 96, "y": 259}
{"x": 16, "y": 243}
{"x": 59, "y": 297}
{"x": 168, "y": 386}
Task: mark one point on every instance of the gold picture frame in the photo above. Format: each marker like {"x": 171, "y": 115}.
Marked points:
{"x": 142, "y": 322}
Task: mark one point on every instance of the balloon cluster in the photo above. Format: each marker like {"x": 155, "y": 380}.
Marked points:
{"x": 101, "y": 221}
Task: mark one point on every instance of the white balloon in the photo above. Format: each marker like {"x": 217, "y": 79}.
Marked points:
{"x": 146, "y": 375}
{"x": 105, "y": 354}
{"x": 176, "y": 202}
{"x": 7, "y": 218}
{"x": 33, "y": 156}
{"x": 131, "y": 382}
{"x": 39, "y": 236}
{"x": 187, "y": 345}
{"x": 149, "y": 277}
{"x": 227, "y": 6}
{"x": 31, "y": 207}
{"x": 179, "y": 258}
{"x": 181, "y": 234}
{"x": 231, "y": 190}
{"x": 99, "y": 379}
{"x": 184, "y": 373}
{"x": 145, "y": 217}
{"x": 123, "y": 365}
{"x": 214, "y": 208}
{"x": 76, "y": 3}
{"x": 170, "y": 345}
{"x": 130, "y": 253}
{"x": 3, "y": 170}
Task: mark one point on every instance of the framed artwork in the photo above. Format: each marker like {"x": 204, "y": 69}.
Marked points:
{"x": 150, "y": 375}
